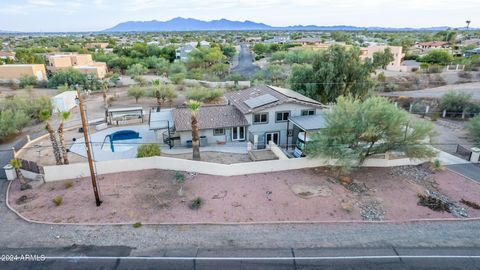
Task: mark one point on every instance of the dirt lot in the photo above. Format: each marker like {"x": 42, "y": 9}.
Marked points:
{"x": 301, "y": 195}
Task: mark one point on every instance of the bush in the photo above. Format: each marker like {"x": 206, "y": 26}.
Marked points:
{"x": 473, "y": 127}
{"x": 57, "y": 200}
{"x": 26, "y": 80}
{"x": 437, "y": 165}
{"x": 136, "y": 70}
{"x": 435, "y": 116}
{"x": 68, "y": 184}
{"x": 136, "y": 92}
{"x": 196, "y": 203}
{"x": 204, "y": 94}
{"x": 455, "y": 101}
{"x": 137, "y": 225}
{"x": 177, "y": 78}
{"x": 148, "y": 150}
{"x": 67, "y": 76}
{"x": 12, "y": 122}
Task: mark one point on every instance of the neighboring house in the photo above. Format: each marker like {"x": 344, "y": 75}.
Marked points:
{"x": 15, "y": 72}
{"x": 472, "y": 52}
{"x": 278, "y": 40}
{"x": 308, "y": 41}
{"x": 7, "y": 55}
{"x": 431, "y": 45}
{"x": 398, "y": 55}
{"x": 81, "y": 62}
{"x": 96, "y": 45}
{"x": 473, "y": 41}
{"x": 258, "y": 114}
{"x": 181, "y": 53}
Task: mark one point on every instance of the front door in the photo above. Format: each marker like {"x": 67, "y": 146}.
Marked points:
{"x": 272, "y": 136}
{"x": 238, "y": 133}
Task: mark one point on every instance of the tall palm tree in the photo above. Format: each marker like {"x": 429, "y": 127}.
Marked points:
{"x": 104, "y": 86}
{"x": 63, "y": 116}
{"x": 45, "y": 116}
{"x": 468, "y": 23}
{"x": 17, "y": 165}
{"x": 194, "y": 107}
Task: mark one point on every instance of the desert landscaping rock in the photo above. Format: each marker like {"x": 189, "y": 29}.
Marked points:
{"x": 372, "y": 210}
{"x": 439, "y": 202}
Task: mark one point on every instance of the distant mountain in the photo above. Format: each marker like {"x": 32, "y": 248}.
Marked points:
{"x": 189, "y": 24}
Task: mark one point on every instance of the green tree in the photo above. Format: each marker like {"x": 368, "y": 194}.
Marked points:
{"x": 136, "y": 70}
{"x": 437, "y": 56}
{"x": 12, "y": 122}
{"x": 163, "y": 92}
{"x": 358, "y": 129}
{"x": 17, "y": 165}
{"x": 194, "y": 107}
{"x": 335, "y": 72}
{"x": 383, "y": 59}
{"x": 136, "y": 92}
{"x": 67, "y": 76}
{"x": 27, "y": 80}
{"x": 473, "y": 127}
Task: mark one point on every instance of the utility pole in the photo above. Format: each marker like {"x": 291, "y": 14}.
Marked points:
{"x": 89, "y": 152}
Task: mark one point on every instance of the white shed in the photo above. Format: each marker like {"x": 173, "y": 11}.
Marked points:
{"x": 64, "y": 102}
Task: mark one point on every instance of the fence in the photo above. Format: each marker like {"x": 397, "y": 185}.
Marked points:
{"x": 464, "y": 152}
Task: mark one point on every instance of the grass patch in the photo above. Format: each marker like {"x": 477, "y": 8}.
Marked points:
{"x": 137, "y": 225}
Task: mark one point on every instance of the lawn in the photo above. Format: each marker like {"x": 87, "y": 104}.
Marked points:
{"x": 301, "y": 196}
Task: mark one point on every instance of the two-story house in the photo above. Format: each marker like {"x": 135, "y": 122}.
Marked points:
{"x": 259, "y": 114}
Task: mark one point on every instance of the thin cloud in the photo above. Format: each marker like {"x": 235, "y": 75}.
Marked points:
{"x": 41, "y": 2}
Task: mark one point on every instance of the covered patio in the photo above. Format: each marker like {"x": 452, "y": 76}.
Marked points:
{"x": 303, "y": 126}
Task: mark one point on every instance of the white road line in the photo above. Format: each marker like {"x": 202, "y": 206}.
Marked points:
{"x": 268, "y": 258}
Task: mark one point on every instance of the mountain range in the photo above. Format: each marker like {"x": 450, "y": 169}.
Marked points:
{"x": 189, "y": 24}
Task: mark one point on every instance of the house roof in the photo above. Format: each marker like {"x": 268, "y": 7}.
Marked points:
{"x": 309, "y": 122}
{"x": 433, "y": 43}
{"x": 215, "y": 116}
{"x": 241, "y": 99}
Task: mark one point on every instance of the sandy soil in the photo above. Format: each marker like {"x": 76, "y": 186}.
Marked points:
{"x": 151, "y": 196}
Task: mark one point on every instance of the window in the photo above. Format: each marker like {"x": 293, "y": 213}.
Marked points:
{"x": 282, "y": 116}
{"x": 308, "y": 112}
{"x": 260, "y": 118}
{"x": 218, "y": 131}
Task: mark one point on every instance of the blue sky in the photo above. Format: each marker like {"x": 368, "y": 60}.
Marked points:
{"x": 92, "y": 15}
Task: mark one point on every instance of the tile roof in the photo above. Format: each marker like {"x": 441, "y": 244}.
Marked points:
{"x": 215, "y": 116}
{"x": 238, "y": 98}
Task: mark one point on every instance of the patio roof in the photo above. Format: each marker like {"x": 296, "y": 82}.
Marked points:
{"x": 309, "y": 122}
{"x": 161, "y": 120}
{"x": 209, "y": 117}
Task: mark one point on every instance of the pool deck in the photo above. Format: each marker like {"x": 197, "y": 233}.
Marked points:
{"x": 125, "y": 149}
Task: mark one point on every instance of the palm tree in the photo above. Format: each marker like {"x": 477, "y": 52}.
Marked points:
{"x": 63, "y": 116}
{"x": 468, "y": 23}
{"x": 45, "y": 116}
{"x": 17, "y": 164}
{"x": 104, "y": 86}
{"x": 194, "y": 107}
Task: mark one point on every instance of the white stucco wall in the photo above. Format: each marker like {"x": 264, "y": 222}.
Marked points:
{"x": 187, "y": 135}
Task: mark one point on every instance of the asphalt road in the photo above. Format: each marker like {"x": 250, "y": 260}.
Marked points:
{"x": 91, "y": 257}
{"x": 245, "y": 65}
{"x": 468, "y": 170}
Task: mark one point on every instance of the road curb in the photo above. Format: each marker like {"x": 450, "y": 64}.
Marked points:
{"x": 352, "y": 222}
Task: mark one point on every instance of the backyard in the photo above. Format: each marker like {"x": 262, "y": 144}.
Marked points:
{"x": 307, "y": 195}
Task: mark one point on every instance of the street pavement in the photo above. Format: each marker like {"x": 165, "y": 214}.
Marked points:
{"x": 106, "y": 258}
{"x": 245, "y": 65}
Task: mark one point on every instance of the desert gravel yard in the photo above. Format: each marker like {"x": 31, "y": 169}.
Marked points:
{"x": 301, "y": 195}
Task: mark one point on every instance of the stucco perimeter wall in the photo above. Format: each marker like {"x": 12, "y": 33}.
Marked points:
{"x": 72, "y": 171}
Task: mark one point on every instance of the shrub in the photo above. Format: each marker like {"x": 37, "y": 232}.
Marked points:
{"x": 57, "y": 200}
{"x": 203, "y": 94}
{"x": 137, "y": 225}
{"x": 67, "y": 76}
{"x": 437, "y": 165}
{"x": 26, "y": 80}
{"x": 435, "y": 116}
{"x": 12, "y": 122}
{"x": 455, "y": 101}
{"x": 136, "y": 70}
{"x": 140, "y": 80}
{"x": 136, "y": 92}
{"x": 179, "y": 177}
{"x": 196, "y": 203}
{"x": 473, "y": 127}
{"x": 68, "y": 184}
{"x": 177, "y": 78}
{"x": 148, "y": 150}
